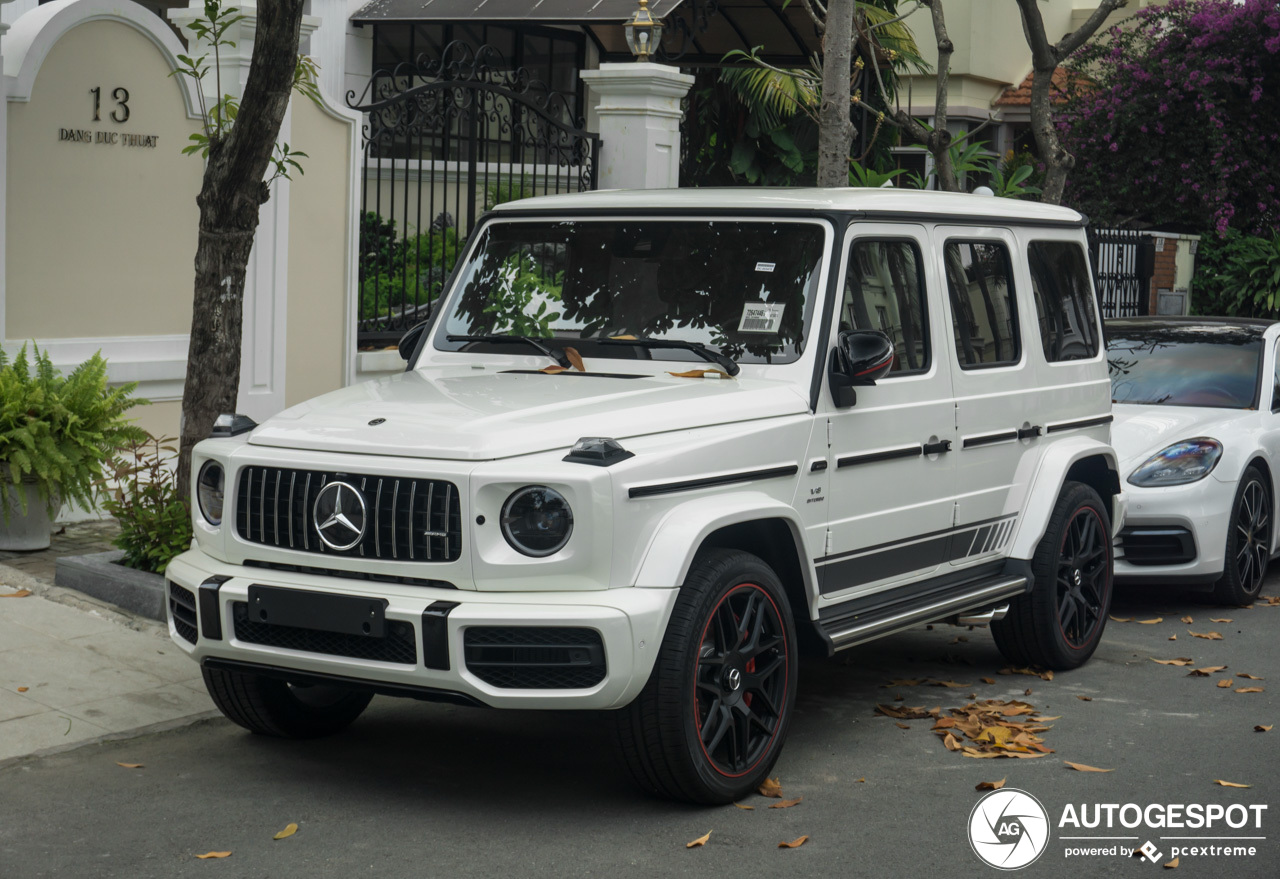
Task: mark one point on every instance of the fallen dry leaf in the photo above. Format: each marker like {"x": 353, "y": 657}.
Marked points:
{"x": 1181, "y": 660}
{"x": 1033, "y": 672}
{"x": 950, "y": 684}
{"x": 207, "y": 855}
{"x": 908, "y": 726}
{"x": 21, "y": 593}
{"x": 1261, "y": 728}
{"x": 699, "y": 373}
{"x": 1119, "y": 619}
{"x": 1188, "y": 619}
{"x": 1151, "y": 622}
{"x": 22, "y": 689}
{"x": 744, "y": 808}
{"x": 1085, "y": 698}
{"x": 990, "y": 785}
{"x": 1220, "y": 620}
{"x": 795, "y": 843}
{"x": 1250, "y": 689}
{"x": 1172, "y": 865}
{"x": 903, "y": 713}
{"x": 786, "y": 804}
{"x": 1229, "y": 783}
{"x": 951, "y": 742}
{"x": 575, "y": 358}
{"x": 861, "y": 780}
{"x": 701, "y": 840}
{"x": 1225, "y": 682}
{"x": 289, "y": 830}
{"x": 1081, "y": 767}
{"x": 988, "y": 680}
{"x": 908, "y": 682}
{"x": 770, "y": 788}
{"x": 1027, "y": 691}
{"x": 1206, "y": 671}
{"x": 1247, "y": 676}
{"x": 1173, "y": 637}
{"x": 553, "y": 370}
{"x": 130, "y": 765}
{"x": 1208, "y": 636}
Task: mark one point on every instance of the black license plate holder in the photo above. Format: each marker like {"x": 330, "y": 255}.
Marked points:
{"x": 344, "y": 614}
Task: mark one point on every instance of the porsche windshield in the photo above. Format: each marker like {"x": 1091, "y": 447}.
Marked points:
{"x": 1184, "y": 364}
{"x": 744, "y": 289}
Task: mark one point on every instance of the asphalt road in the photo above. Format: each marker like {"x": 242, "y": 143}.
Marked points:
{"x": 439, "y": 791}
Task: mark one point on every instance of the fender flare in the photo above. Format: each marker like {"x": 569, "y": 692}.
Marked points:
{"x": 685, "y": 527}
{"x": 1047, "y": 483}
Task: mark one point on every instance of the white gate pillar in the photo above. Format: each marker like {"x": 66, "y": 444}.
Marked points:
{"x": 639, "y": 117}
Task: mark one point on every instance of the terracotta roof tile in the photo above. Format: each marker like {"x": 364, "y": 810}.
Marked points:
{"x": 1063, "y": 81}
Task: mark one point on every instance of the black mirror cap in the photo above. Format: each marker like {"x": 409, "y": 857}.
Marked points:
{"x": 867, "y": 355}
{"x": 409, "y": 341}
{"x": 232, "y": 424}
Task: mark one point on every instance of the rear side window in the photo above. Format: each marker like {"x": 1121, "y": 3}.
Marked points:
{"x": 1064, "y": 300}
{"x": 982, "y": 306}
{"x": 884, "y": 290}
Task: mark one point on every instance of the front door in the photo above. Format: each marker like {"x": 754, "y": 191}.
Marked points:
{"x": 891, "y": 485}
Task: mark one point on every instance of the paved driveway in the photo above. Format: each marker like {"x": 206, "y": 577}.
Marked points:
{"x": 430, "y": 790}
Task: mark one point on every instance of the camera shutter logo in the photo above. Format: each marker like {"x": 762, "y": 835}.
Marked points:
{"x": 1008, "y": 829}
{"x": 339, "y": 515}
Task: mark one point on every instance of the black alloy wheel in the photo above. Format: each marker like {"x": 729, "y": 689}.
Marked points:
{"x": 1084, "y": 577}
{"x": 1248, "y": 548}
{"x": 740, "y": 680}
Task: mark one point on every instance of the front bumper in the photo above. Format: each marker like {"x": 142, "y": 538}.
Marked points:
{"x": 629, "y": 621}
{"x": 1175, "y": 535}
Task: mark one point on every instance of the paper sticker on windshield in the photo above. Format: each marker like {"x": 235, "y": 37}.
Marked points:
{"x": 761, "y": 317}
{"x": 766, "y": 266}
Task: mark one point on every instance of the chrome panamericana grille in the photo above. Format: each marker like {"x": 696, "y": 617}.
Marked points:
{"x": 406, "y": 520}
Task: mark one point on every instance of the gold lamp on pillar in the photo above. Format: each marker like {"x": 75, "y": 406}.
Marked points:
{"x": 643, "y": 32}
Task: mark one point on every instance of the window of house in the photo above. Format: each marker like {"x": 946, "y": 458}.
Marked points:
{"x": 1064, "y": 300}
{"x": 884, "y": 290}
{"x": 983, "y": 314}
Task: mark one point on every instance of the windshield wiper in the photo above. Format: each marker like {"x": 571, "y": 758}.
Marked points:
{"x": 696, "y": 347}
{"x": 558, "y": 356}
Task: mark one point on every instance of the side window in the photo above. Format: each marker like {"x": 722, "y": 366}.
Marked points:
{"x": 982, "y": 305}
{"x": 884, "y": 290}
{"x": 1064, "y": 300}
{"x": 1275, "y": 382}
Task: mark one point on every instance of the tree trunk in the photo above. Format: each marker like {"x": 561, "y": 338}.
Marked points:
{"x": 230, "y": 196}
{"x": 1045, "y": 59}
{"x": 835, "y": 127}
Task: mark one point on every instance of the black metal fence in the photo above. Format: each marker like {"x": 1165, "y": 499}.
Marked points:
{"x": 1123, "y": 263}
{"x": 445, "y": 140}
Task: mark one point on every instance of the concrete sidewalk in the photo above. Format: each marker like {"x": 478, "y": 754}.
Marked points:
{"x": 74, "y": 671}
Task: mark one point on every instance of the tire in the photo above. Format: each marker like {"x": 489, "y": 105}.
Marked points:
{"x": 1059, "y": 622}
{"x": 274, "y": 707}
{"x": 712, "y": 718}
{"x": 1248, "y": 542}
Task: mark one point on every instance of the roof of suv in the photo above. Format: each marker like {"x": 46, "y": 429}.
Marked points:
{"x": 909, "y": 203}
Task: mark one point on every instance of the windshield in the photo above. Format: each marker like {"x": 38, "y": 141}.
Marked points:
{"x": 745, "y": 289}
{"x": 1184, "y": 365}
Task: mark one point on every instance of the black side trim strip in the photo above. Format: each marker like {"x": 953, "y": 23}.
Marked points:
{"x": 711, "y": 481}
{"x": 854, "y": 460}
{"x": 975, "y": 441}
{"x": 967, "y": 526}
{"x": 1076, "y": 425}
{"x": 210, "y": 612}
{"x": 426, "y": 694}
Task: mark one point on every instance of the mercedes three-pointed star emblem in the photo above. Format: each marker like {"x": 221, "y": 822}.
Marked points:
{"x": 339, "y": 514}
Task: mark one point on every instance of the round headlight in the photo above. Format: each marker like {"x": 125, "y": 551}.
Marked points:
{"x": 1181, "y": 463}
{"x": 537, "y": 521}
{"x": 209, "y": 492}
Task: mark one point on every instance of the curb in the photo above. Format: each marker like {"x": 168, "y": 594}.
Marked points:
{"x": 99, "y": 574}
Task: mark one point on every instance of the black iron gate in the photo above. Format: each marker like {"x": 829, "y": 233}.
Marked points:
{"x": 1123, "y": 263}
{"x": 445, "y": 140}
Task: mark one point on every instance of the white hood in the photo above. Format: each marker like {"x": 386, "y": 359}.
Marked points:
{"x": 466, "y": 414}
{"x": 1140, "y": 431}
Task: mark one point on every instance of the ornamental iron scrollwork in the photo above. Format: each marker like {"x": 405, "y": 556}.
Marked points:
{"x": 445, "y": 139}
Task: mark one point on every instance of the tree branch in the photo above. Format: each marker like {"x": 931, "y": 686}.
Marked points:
{"x": 1081, "y": 35}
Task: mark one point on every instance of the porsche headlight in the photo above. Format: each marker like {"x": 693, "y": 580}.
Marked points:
{"x": 1183, "y": 462}
{"x": 537, "y": 521}
{"x": 209, "y": 492}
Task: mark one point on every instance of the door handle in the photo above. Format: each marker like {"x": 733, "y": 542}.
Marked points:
{"x": 1028, "y": 432}
{"x": 937, "y": 448}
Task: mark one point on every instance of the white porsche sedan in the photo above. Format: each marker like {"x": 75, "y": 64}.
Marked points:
{"x": 1197, "y": 431}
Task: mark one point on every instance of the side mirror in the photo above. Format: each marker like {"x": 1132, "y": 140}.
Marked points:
{"x": 409, "y": 341}
{"x": 859, "y": 359}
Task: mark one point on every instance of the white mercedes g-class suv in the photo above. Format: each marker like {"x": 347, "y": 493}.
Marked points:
{"x": 649, "y": 446}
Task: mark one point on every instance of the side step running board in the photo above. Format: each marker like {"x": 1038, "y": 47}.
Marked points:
{"x": 844, "y": 633}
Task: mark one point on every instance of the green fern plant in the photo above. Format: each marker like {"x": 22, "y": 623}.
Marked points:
{"x": 58, "y": 431}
